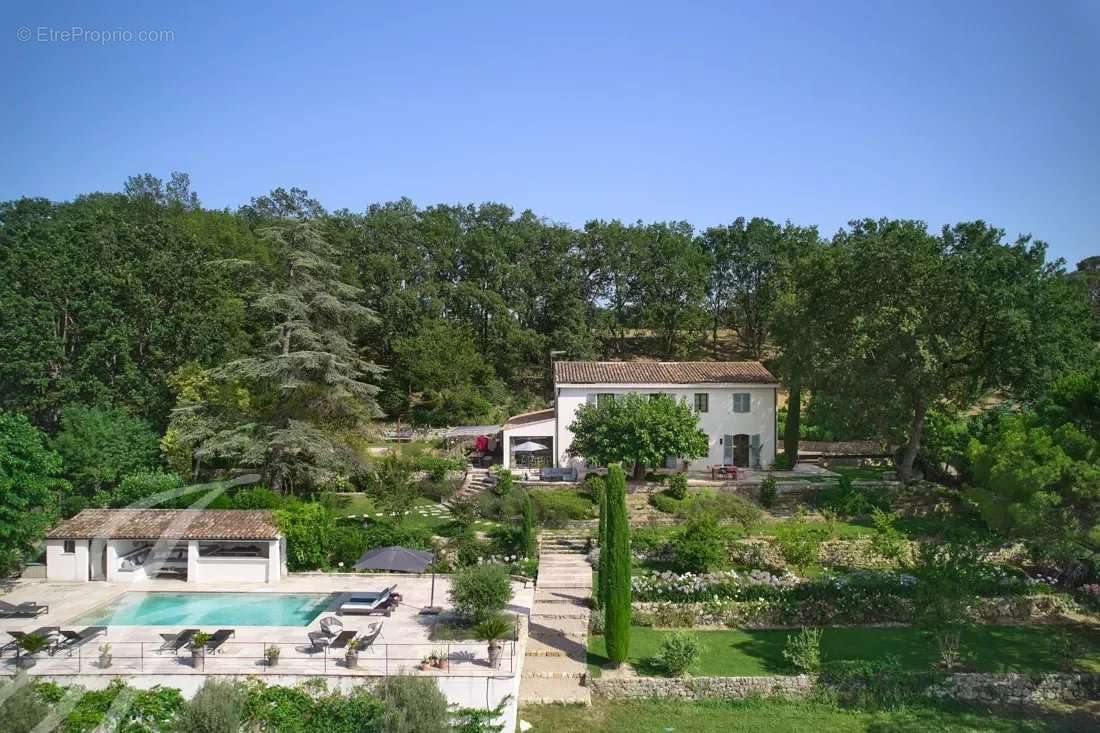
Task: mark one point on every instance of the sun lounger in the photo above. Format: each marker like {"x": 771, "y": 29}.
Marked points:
{"x": 218, "y": 638}
{"x": 342, "y": 640}
{"x": 27, "y": 609}
{"x": 46, "y": 631}
{"x": 175, "y": 642}
{"x": 368, "y": 603}
{"x": 73, "y": 639}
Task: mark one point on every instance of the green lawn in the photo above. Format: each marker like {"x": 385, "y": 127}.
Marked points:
{"x": 426, "y": 513}
{"x": 734, "y": 652}
{"x": 863, "y": 473}
{"x": 771, "y": 716}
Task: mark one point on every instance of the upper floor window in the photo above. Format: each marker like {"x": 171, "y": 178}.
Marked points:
{"x": 702, "y": 402}
{"x": 603, "y": 397}
{"x": 742, "y": 402}
{"x": 70, "y": 547}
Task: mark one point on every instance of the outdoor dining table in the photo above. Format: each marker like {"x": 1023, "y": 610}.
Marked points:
{"x": 723, "y": 470}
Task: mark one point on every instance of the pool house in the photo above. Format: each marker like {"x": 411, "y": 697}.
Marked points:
{"x": 189, "y": 545}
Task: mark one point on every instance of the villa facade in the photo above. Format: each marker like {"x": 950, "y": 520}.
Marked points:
{"x": 735, "y": 401}
{"x": 194, "y": 545}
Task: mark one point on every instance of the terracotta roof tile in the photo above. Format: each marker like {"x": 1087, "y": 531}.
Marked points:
{"x": 661, "y": 372}
{"x": 530, "y": 417}
{"x": 182, "y": 524}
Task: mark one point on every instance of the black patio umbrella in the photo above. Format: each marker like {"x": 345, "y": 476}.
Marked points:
{"x": 401, "y": 560}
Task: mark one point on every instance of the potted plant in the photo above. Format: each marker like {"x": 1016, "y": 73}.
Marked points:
{"x": 198, "y": 648}
{"x": 30, "y": 645}
{"x": 494, "y": 629}
{"x": 104, "y": 656}
{"x": 271, "y": 654}
{"x": 426, "y": 664}
{"x": 440, "y": 660}
{"x": 351, "y": 656}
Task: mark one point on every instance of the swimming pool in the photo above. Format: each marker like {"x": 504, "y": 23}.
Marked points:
{"x": 224, "y": 609}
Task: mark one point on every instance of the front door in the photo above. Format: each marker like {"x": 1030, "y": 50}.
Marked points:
{"x": 741, "y": 450}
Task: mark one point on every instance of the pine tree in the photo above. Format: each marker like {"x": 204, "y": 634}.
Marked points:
{"x": 306, "y": 385}
{"x": 617, "y": 568}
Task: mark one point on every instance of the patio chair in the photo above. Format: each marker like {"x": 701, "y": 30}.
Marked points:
{"x": 331, "y": 625}
{"x": 368, "y": 603}
{"x": 218, "y": 638}
{"x": 73, "y": 639}
{"x": 175, "y": 642}
{"x": 367, "y": 640}
{"x": 342, "y": 640}
{"x": 318, "y": 640}
{"x": 26, "y": 609}
{"x": 48, "y": 632}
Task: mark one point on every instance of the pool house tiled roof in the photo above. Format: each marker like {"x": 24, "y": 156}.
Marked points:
{"x": 176, "y": 524}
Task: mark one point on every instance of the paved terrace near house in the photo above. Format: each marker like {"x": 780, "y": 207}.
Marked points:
{"x": 404, "y": 640}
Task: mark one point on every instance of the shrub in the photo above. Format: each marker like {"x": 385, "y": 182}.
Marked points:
{"x": 677, "y": 486}
{"x": 700, "y": 545}
{"x": 723, "y": 505}
{"x": 24, "y": 708}
{"x": 412, "y": 705}
{"x": 504, "y": 484}
{"x": 468, "y": 549}
{"x": 477, "y": 720}
{"x": 887, "y": 541}
{"x": 803, "y": 651}
{"x": 557, "y": 506}
{"x": 308, "y": 528}
{"x": 663, "y": 502}
{"x": 769, "y": 491}
{"x": 800, "y": 543}
{"x": 437, "y": 467}
{"x": 464, "y": 510}
{"x": 257, "y": 497}
{"x": 596, "y": 621}
{"x": 218, "y": 707}
{"x": 679, "y": 652}
{"x": 783, "y": 462}
{"x": 347, "y": 545}
{"x": 441, "y": 491}
{"x": 480, "y": 591}
{"x": 384, "y": 534}
{"x": 496, "y": 627}
{"x": 506, "y": 539}
{"x": 848, "y": 500}
{"x": 594, "y": 485}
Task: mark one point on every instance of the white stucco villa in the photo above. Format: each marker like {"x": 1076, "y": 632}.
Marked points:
{"x": 193, "y": 545}
{"x": 735, "y": 402}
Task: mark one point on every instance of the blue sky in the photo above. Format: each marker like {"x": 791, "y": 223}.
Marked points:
{"x": 814, "y": 112}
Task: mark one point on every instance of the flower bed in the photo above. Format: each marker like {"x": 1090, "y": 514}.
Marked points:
{"x": 762, "y": 599}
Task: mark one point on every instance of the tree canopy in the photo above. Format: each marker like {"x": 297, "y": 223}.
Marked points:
{"x": 29, "y": 472}
{"x": 637, "y": 430}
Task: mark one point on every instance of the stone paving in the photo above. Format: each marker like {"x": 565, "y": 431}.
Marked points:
{"x": 556, "y": 659}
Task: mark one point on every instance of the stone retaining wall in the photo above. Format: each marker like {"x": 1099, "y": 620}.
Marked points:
{"x": 994, "y": 689}
{"x": 700, "y": 688}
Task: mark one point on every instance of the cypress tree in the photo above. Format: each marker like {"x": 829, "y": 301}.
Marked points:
{"x": 599, "y": 492}
{"x": 528, "y": 526}
{"x": 617, "y": 568}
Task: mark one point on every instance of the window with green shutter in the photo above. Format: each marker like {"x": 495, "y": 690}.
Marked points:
{"x": 742, "y": 402}
{"x": 702, "y": 402}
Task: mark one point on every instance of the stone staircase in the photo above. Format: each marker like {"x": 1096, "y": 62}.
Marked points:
{"x": 477, "y": 481}
{"x": 556, "y": 660}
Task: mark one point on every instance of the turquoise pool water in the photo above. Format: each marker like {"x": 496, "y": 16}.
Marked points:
{"x": 207, "y": 609}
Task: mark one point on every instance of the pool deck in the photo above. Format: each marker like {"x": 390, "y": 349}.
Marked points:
{"x": 402, "y": 644}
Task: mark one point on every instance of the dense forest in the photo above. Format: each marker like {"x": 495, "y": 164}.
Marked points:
{"x": 141, "y": 329}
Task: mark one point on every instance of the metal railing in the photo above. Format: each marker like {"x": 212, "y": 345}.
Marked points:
{"x": 255, "y": 657}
